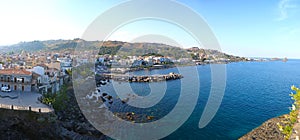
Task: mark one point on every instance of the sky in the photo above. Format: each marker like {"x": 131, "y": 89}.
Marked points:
{"x": 251, "y": 28}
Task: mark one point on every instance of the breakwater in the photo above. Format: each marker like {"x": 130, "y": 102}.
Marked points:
{"x": 142, "y": 78}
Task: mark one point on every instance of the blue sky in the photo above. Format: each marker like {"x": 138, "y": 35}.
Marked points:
{"x": 268, "y": 28}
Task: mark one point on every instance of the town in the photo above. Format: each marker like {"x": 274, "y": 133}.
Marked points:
{"x": 27, "y": 72}
{"x": 46, "y": 71}
{"x": 41, "y": 77}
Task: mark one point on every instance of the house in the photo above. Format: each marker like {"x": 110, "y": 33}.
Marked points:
{"x": 156, "y": 60}
{"x": 149, "y": 59}
{"x": 164, "y": 60}
{"x": 194, "y": 49}
{"x": 47, "y": 79}
{"x": 65, "y": 64}
{"x": 138, "y": 63}
{"x": 101, "y": 60}
{"x": 42, "y": 79}
{"x": 56, "y": 79}
{"x": 16, "y": 79}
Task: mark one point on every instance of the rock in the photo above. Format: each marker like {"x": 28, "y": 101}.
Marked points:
{"x": 103, "y": 106}
{"x": 41, "y": 119}
{"x": 268, "y": 130}
{"x": 104, "y": 94}
{"x": 73, "y": 122}
{"x": 109, "y": 97}
{"x": 103, "y": 83}
{"x": 125, "y": 100}
{"x": 103, "y": 100}
{"x": 150, "y": 117}
{"x": 67, "y": 125}
{"x": 81, "y": 119}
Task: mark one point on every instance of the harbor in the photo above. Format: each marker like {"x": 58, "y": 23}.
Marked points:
{"x": 142, "y": 78}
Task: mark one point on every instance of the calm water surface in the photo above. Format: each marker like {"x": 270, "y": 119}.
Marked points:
{"x": 255, "y": 92}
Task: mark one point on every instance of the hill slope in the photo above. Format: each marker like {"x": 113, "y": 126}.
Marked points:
{"x": 110, "y": 47}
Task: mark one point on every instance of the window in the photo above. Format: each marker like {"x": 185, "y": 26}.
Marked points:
{"x": 22, "y": 80}
{"x": 15, "y": 79}
{"x": 1, "y": 78}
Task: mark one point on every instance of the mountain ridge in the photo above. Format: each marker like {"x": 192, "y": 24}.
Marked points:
{"x": 113, "y": 47}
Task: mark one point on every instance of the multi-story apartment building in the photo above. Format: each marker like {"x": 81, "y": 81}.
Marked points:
{"x": 16, "y": 79}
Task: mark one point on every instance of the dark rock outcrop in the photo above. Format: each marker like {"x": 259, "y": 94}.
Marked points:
{"x": 269, "y": 130}
{"x": 74, "y": 124}
{"x": 68, "y": 123}
{"x": 28, "y": 125}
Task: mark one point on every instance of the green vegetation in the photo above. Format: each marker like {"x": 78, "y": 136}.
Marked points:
{"x": 69, "y": 72}
{"x": 154, "y": 49}
{"x": 153, "y": 54}
{"x": 48, "y": 98}
{"x": 83, "y": 71}
{"x": 122, "y": 49}
{"x": 109, "y": 50}
{"x": 61, "y": 97}
{"x": 195, "y": 57}
{"x": 287, "y": 128}
{"x": 57, "y": 99}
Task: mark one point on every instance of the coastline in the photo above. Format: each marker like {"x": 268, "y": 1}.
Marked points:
{"x": 129, "y": 69}
{"x": 267, "y": 130}
{"x": 72, "y": 123}
{"x": 66, "y": 123}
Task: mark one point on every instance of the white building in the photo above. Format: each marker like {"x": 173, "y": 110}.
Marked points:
{"x": 9, "y": 78}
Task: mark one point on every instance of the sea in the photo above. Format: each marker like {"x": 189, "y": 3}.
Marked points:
{"x": 253, "y": 93}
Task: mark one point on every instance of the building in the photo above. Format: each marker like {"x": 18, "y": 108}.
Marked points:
{"x": 47, "y": 80}
{"x": 16, "y": 79}
{"x": 138, "y": 63}
{"x": 194, "y": 49}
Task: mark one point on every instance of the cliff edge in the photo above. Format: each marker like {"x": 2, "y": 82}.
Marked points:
{"x": 269, "y": 130}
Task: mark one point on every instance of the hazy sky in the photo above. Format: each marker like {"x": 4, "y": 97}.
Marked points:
{"x": 259, "y": 28}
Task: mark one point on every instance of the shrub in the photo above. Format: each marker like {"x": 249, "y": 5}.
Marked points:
{"x": 57, "y": 100}
{"x": 48, "y": 98}
{"x": 287, "y": 129}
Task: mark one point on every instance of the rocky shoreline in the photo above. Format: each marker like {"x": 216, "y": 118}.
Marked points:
{"x": 68, "y": 123}
{"x": 106, "y": 100}
{"x": 141, "y": 78}
{"x": 74, "y": 124}
{"x": 269, "y": 130}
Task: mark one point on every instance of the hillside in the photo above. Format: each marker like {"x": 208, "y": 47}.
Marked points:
{"x": 114, "y": 47}
{"x": 48, "y": 45}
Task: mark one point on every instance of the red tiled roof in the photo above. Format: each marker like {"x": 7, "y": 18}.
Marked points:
{"x": 14, "y": 72}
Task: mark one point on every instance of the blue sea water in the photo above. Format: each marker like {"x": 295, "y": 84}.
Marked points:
{"x": 255, "y": 92}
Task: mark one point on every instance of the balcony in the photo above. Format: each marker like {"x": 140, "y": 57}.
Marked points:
{"x": 16, "y": 82}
